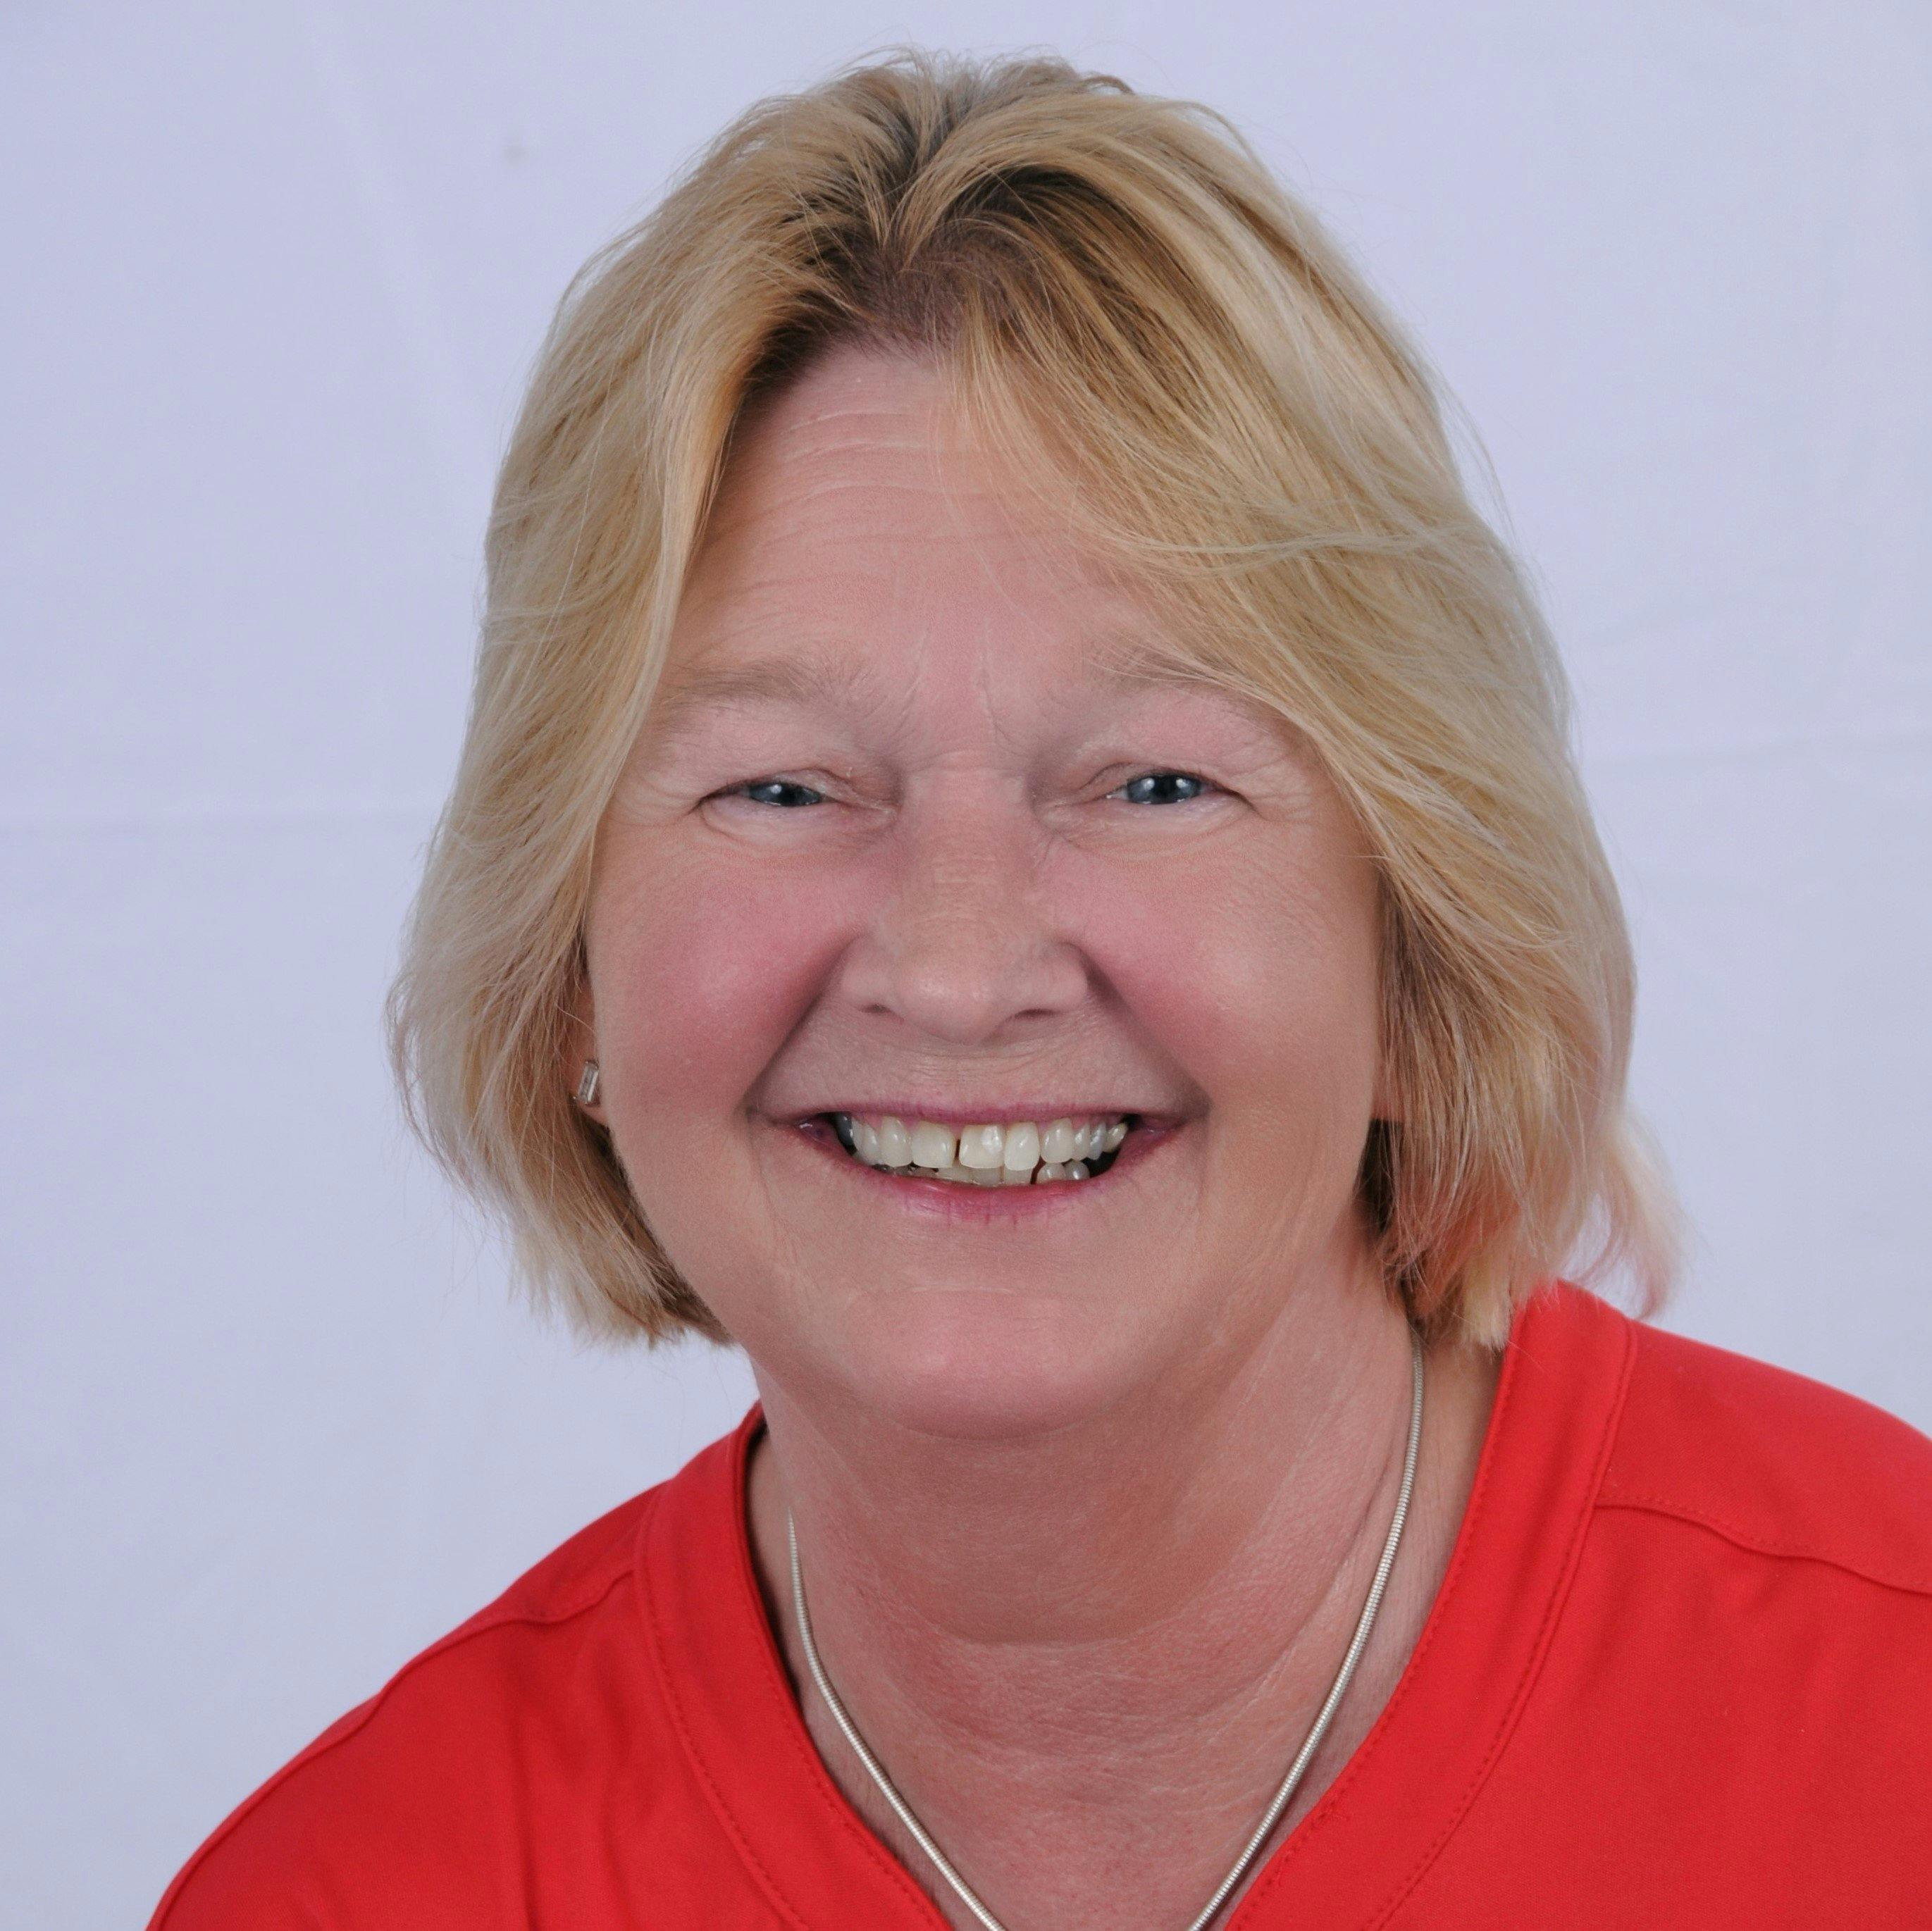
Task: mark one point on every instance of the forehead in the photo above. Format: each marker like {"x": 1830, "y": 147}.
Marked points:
{"x": 858, "y": 521}
{"x": 857, "y": 475}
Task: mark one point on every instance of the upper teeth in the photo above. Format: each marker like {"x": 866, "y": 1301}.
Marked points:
{"x": 999, "y": 1153}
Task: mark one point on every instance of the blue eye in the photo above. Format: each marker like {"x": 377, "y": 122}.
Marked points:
{"x": 785, "y": 784}
{"x": 1152, "y": 787}
{"x": 1158, "y": 779}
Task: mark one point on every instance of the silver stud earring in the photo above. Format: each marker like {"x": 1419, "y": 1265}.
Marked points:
{"x": 586, "y": 1087}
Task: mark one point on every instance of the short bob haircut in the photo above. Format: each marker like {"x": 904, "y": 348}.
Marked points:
{"x": 1115, "y": 288}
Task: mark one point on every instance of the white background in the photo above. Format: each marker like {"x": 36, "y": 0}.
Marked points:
{"x": 272, "y": 277}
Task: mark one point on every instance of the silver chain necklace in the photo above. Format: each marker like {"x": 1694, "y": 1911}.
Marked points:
{"x": 1296, "y": 1770}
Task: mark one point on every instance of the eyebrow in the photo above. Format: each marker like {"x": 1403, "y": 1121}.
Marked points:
{"x": 1116, "y": 661}
{"x": 800, "y": 680}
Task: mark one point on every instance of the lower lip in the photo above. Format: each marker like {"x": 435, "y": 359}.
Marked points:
{"x": 967, "y": 1202}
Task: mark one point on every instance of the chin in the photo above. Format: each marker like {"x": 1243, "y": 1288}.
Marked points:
{"x": 984, "y": 1364}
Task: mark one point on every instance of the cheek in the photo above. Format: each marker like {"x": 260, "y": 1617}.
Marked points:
{"x": 700, "y": 970}
{"x": 1257, "y": 976}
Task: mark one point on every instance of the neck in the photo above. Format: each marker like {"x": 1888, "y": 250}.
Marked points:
{"x": 1087, "y": 1659}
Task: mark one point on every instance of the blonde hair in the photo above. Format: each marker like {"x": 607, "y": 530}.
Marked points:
{"x": 1116, "y": 288}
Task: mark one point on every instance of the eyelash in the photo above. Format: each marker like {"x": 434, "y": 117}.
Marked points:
{"x": 759, "y": 783}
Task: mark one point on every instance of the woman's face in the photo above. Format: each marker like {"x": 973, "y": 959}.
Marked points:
{"x": 894, "y": 842}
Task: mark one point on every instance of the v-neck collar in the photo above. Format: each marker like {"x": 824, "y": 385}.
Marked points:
{"x": 1372, "y": 1836}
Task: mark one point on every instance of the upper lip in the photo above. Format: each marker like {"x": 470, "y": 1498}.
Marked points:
{"x": 987, "y": 1113}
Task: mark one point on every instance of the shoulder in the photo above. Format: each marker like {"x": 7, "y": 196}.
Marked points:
{"x": 1777, "y": 1465}
{"x": 412, "y": 1801}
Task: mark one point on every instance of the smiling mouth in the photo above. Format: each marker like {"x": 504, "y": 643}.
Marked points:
{"x": 998, "y": 1154}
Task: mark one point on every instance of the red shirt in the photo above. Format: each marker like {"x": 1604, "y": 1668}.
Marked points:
{"x": 1679, "y": 1673}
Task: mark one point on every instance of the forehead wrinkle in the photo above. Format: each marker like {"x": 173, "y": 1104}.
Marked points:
{"x": 812, "y": 457}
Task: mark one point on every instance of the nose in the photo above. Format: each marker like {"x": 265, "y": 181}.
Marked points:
{"x": 964, "y": 943}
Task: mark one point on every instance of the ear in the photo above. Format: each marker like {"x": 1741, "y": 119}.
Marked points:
{"x": 580, "y": 1033}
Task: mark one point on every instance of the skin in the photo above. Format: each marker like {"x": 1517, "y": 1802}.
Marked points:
{"x": 1087, "y": 1499}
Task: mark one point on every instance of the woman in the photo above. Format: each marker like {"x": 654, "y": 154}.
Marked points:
{"x": 1017, "y": 858}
